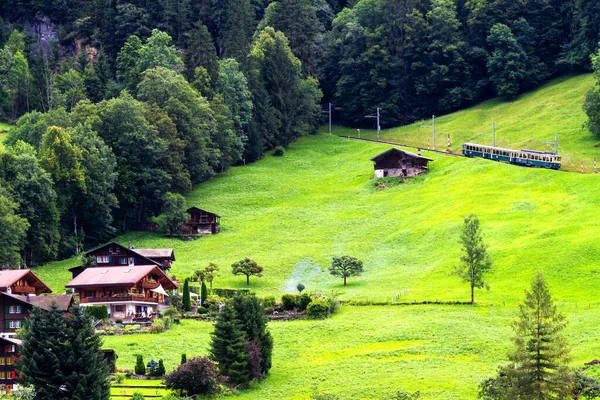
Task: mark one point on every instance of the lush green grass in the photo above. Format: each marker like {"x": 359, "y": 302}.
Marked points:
{"x": 369, "y": 352}
{"x": 525, "y": 122}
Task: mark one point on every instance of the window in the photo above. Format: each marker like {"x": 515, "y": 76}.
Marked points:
{"x": 2, "y": 360}
{"x": 131, "y": 261}
{"x": 10, "y": 361}
{"x": 110, "y": 250}
{"x": 122, "y": 260}
{"x": 9, "y": 348}
{"x": 102, "y": 259}
{"x": 119, "y": 308}
{"x": 89, "y": 293}
{"x": 3, "y": 375}
{"x": 14, "y": 324}
{"x": 14, "y": 309}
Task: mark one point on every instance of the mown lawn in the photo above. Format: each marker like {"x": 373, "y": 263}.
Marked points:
{"x": 526, "y": 122}
{"x": 370, "y": 352}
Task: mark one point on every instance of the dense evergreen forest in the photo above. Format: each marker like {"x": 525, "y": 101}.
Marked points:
{"x": 118, "y": 103}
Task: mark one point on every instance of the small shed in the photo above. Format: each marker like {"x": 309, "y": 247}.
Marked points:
{"x": 202, "y": 222}
{"x": 396, "y": 162}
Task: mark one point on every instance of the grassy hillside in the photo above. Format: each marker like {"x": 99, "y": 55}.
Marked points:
{"x": 292, "y": 214}
{"x": 525, "y": 122}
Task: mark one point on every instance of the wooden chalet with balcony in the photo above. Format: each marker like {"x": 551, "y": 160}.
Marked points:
{"x": 129, "y": 292}
{"x": 9, "y": 354}
{"x": 116, "y": 255}
{"x": 202, "y": 222}
{"x": 396, "y": 162}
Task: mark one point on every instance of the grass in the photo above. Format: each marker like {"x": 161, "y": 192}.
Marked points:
{"x": 526, "y": 122}
{"x": 145, "y": 387}
{"x": 371, "y": 352}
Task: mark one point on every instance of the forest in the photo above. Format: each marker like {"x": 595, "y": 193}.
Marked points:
{"x": 117, "y": 104}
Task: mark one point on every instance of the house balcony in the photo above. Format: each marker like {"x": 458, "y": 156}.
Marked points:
{"x": 115, "y": 299}
{"x": 150, "y": 285}
{"x": 23, "y": 290}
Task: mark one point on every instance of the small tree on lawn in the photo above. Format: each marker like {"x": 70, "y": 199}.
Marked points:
{"x": 247, "y": 267}
{"x": 140, "y": 368}
{"x": 474, "y": 261}
{"x": 198, "y": 376}
{"x": 174, "y": 213}
{"x": 209, "y": 273}
{"x": 228, "y": 347}
{"x": 187, "y": 301}
{"x": 203, "y": 293}
{"x": 538, "y": 366}
{"x": 300, "y": 288}
{"x": 160, "y": 371}
{"x": 183, "y": 358}
{"x": 346, "y": 266}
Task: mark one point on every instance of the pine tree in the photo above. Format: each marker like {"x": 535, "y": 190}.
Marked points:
{"x": 160, "y": 371}
{"x": 228, "y": 347}
{"x": 251, "y": 315}
{"x": 140, "y": 367}
{"x": 187, "y": 302}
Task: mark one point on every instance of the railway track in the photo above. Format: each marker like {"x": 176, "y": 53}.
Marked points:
{"x": 446, "y": 153}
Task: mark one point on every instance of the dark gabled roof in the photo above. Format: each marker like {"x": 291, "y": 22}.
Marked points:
{"x": 115, "y": 276}
{"x": 394, "y": 150}
{"x": 16, "y": 342}
{"x": 201, "y": 209}
{"x": 156, "y": 253}
{"x": 63, "y": 302}
{"x": 150, "y": 261}
{"x": 9, "y": 277}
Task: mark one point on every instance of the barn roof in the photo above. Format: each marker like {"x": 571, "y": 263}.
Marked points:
{"x": 115, "y": 276}
{"x": 9, "y": 277}
{"x": 156, "y": 253}
{"x": 194, "y": 208}
{"x": 394, "y": 150}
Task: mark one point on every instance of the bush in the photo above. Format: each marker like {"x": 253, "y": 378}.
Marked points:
{"x": 97, "y": 312}
{"x": 119, "y": 378}
{"x": 158, "y": 326}
{"x": 132, "y": 328}
{"x": 288, "y": 301}
{"x": 269, "y": 302}
{"x": 318, "y": 309}
{"x": 303, "y": 301}
{"x": 213, "y": 302}
{"x": 170, "y": 312}
{"x": 202, "y": 310}
{"x": 137, "y": 396}
{"x": 228, "y": 293}
{"x": 197, "y": 376}
{"x": 140, "y": 368}
{"x": 278, "y": 151}
{"x": 334, "y": 305}
{"x": 160, "y": 371}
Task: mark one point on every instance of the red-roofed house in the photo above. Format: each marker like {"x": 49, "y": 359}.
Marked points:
{"x": 127, "y": 292}
{"x": 22, "y": 281}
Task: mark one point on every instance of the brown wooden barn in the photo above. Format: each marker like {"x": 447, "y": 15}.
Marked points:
{"x": 396, "y": 162}
{"x": 202, "y": 221}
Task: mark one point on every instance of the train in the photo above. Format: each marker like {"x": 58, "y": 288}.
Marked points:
{"x": 525, "y": 158}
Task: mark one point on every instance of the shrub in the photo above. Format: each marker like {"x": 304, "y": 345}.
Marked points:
{"x": 137, "y": 396}
{"x": 97, "y": 312}
{"x": 288, "y": 301}
{"x": 119, "y": 378}
{"x": 278, "y": 151}
{"x": 132, "y": 328}
{"x": 152, "y": 368}
{"x": 318, "y": 309}
{"x": 255, "y": 360}
{"x": 197, "y": 376}
{"x": 303, "y": 301}
{"x": 100, "y": 332}
{"x": 213, "y": 302}
{"x": 158, "y": 326}
{"x": 170, "y": 312}
{"x": 228, "y": 293}
{"x": 160, "y": 371}
{"x": 269, "y": 302}
{"x": 140, "y": 368}
{"x": 183, "y": 359}
{"x": 202, "y": 310}
{"x": 334, "y": 305}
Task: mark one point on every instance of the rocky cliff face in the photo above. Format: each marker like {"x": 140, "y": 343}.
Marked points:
{"x": 45, "y": 32}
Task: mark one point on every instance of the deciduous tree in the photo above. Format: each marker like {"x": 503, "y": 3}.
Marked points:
{"x": 475, "y": 260}
{"x": 247, "y": 267}
{"x": 346, "y": 266}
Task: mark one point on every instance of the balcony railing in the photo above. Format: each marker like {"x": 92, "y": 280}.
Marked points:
{"x": 107, "y": 299}
{"x": 23, "y": 289}
{"x": 150, "y": 285}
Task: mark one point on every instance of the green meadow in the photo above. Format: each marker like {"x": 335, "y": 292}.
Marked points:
{"x": 528, "y": 121}
{"x": 292, "y": 214}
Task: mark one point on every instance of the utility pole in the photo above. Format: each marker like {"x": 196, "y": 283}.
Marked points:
{"x": 378, "y": 125}
{"x": 433, "y": 132}
{"x": 493, "y": 134}
{"x": 328, "y": 112}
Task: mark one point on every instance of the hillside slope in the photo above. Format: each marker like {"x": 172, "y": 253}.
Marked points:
{"x": 526, "y": 122}
{"x": 293, "y": 213}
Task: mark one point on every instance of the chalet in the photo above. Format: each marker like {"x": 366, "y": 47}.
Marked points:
{"x": 15, "y": 309}
{"x": 22, "y": 281}
{"x": 128, "y": 292}
{"x": 116, "y": 255}
{"x": 396, "y": 162}
{"x": 202, "y": 222}
{"x": 9, "y": 353}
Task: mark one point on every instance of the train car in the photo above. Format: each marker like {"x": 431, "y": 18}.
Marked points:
{"x": 526, "y": 158}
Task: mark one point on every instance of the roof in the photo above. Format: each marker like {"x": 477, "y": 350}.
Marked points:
{"x": 9, "y": 277}
{"x": 11, "y": 340}
{"x": 150, "y": 261}
{"x": 201, "y": 209}
{"x": 114, "y": 276}
{"x": 395, "y": 150}
{"x": 156, "y": 253}
{"x": 63, "y": 302}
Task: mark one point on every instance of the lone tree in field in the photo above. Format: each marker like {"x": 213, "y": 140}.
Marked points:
{"x": 538, "y": 368}
{"x": 346, "y": 266}
{"x": 207, "y": 274}
{"x": 246, "y": 267}
{"x": 474, "y": 261}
